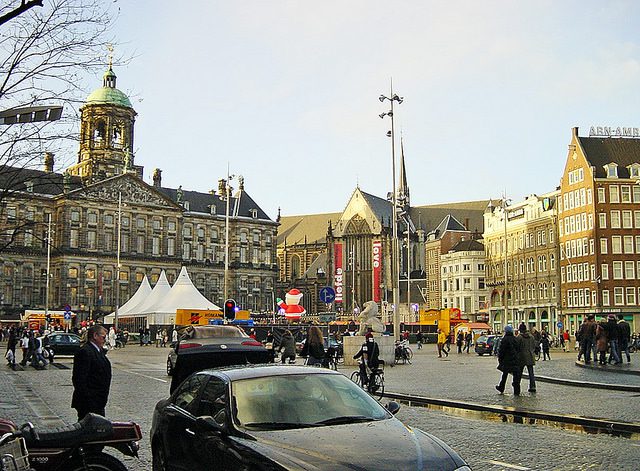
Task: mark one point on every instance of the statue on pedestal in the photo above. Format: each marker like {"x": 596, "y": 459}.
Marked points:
{"x": 369, "y": 318}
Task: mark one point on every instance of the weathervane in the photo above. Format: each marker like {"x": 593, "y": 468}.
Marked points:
{"x": 110, "y": 56}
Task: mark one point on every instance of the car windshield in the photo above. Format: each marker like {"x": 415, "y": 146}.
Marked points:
{"x": 482, "y": 339}
{"x": 212, "y": 331}
{"x": 297, "y": 401}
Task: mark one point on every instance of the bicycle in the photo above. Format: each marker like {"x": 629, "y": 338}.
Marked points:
{"x": 375, "y": 386}
{"x": 403, "y": 353}
{"x": 333, "y": 358}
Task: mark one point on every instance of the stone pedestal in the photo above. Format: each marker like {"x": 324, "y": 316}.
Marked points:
{"x": 351, "y": 346}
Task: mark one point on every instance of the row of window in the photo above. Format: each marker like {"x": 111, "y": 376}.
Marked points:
{"x": 544, "y": 263}
{"x": 466, "y": 267}
{"x": 620, "y": 245}
{"x": 465, "y": 283}
{"x": 584, "y": 297}
{"x": 619, "y": 194}
{"x": 523, "y": 241}
{"x": 576, "y": 223}
{"x": 577, "y": 198}
{"x": 620, "y": 219}
{"x": 156, "y": 224}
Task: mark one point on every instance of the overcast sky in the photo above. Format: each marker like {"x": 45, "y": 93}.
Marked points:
{"x": 286, "y": 93}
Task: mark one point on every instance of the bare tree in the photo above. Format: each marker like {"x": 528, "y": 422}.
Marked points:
{"x": 45, "y": 53}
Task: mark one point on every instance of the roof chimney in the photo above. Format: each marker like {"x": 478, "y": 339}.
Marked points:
{"x": 48, "y": 162}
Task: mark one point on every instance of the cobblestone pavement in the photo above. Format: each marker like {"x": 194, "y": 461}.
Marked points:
{"x": 139, "y": 381}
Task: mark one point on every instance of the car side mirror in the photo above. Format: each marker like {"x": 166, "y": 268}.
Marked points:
{"x": 208, "y": 424}
{"x": 393, "y": 407}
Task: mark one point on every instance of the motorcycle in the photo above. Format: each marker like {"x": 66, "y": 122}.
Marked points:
{"x": 77, "y": 447}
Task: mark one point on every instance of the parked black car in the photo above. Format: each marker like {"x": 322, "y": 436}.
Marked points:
{"x": 487, "y": 344}
{"x": 63, "y": 343}
{"x": 253, "y": 418}
{"x": 209, "y": 346}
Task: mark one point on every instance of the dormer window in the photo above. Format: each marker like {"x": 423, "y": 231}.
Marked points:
{"x": 212, "y": 209}
{"x": 612, "y": 170}
{"x": 634, "y": 170}
{"x": 185, "y": 205}
{"x": 254, "y": 213}
{"x": 29, "y": 185}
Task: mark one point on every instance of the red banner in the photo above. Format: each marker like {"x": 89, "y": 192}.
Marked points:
{"x": 338, "y": 272}
{"x": 377, "y": 269}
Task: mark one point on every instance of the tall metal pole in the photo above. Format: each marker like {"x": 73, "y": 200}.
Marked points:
{"x": 115, "y": 315}
{"x": 506, "y": 279}
{"x": 408, "y": 275}
{"x": 353, "y": 280}
{"x": 46, "y": 296}
{"x": 226, "y": 238}
{"x": 394, "y": 222}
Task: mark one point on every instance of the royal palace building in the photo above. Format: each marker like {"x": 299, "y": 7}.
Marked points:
{"x": 76, "y": 225}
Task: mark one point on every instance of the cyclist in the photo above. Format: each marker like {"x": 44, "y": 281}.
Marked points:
{"x": 370, "y": 353}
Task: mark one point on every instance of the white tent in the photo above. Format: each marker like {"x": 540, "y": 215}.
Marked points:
{"x": 139, "y": 296}
{"x": 183, "y": 295}
{"x": 158, "y": 294}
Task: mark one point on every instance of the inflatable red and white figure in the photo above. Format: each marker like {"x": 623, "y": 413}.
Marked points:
{"x": 292, "y": 309}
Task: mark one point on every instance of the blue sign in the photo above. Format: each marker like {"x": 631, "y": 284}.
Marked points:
{"x": 327, "y": 294}
{"x": 67, "y": 316}
{"x": 560, "y": 325}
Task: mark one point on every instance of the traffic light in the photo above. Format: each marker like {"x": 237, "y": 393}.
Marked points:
{"x": 229, "y": 309}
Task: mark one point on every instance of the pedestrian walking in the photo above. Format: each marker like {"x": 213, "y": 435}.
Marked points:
{"x": 509, "y": 361}
{"x": 468, "y": 340}
{"x": 91, "y": 374}
{"x": 112, "y": 337}
{"x": 612, "y": 334}
{"x": 624, "y": 337}
{"x": 12, "y": 342}
{"x": 601, "y": 342}
{"x": 459, "y": 341}
{"x": 174, "y": 335}
{"x": 419, "y": 340}
{"x": 586, "y": 335}
{"x": 527, "y": 355}
{"x": 313, "y": 348}
{"x": 288, "y": 347}
{"x": 24, "y": 344}
{"x": 442, "y": 338}
{"x": 545, "y": 343}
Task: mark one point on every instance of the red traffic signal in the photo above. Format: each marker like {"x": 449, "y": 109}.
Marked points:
{"x": 230, "y": 309}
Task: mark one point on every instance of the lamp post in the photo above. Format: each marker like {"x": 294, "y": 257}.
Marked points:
{"x": 226, "y": 236}
{"x": 504, "y": 204}
{"x": 115, "y": 315}
{"x": 395, "y": 272}
{"x": 46, "y": 295}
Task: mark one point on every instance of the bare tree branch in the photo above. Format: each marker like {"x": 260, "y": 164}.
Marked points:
{"x": 45, "y": 55}
{"x": 21, "y": 9}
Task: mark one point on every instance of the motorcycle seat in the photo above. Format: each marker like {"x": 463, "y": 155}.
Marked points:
{"x": 92, "y": 427}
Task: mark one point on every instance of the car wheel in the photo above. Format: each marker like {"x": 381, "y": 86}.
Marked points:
{"x": 480, "y": 353}
{"x": 169, "y": 367}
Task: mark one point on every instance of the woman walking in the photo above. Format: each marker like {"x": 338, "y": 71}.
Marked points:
{"x": 313, "y": 348}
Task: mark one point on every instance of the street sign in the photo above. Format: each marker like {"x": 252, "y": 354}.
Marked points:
{"x": 560, "y": 325}
{"x": 327, "y": 317}
{"x": 67, "y": 315}
{"x": 327, "y": 294}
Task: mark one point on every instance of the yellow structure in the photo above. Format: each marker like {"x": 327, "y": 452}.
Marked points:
{"x": 203, "y": 316}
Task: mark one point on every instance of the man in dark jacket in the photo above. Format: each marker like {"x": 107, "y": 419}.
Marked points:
{"x": 370, "y": 358}
{"x": 624, "y": 337}
{"x": 91, "y": 374}
{"x": 611, "y": 328}
{"x": 587, "y": 336}
{"x": 527, "y": 359}
{"x": 509, "y": 361}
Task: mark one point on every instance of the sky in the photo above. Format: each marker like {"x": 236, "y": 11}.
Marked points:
{"x": 285, "y": 93}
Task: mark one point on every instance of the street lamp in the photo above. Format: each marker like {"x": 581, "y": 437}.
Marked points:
{"x": 394, "y": 220}
{"x": 115, "y": 315}
{"x": 504, "y": 203}
{"x": 226, "y": 238}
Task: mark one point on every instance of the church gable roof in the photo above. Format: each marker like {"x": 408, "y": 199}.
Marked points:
{"x": 429, "y": 217}
{"x": 311, "y": 228}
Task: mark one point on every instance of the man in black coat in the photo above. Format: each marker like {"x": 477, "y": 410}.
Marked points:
{"x": 509, "y": 361}
{"x": 91, "y": 374}
{"x": 370, "y": 359}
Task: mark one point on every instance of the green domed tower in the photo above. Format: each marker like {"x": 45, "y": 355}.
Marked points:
{"x": 106, "y": 134}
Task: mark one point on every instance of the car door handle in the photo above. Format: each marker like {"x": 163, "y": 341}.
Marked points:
{"x": 190, "y": 432}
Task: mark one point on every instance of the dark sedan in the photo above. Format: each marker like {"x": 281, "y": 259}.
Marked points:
{"x": 63, "y": 343}
{"x": 209, "y": 346}
{"x": 286, "y": 418}
{"x": 487, "y": 344}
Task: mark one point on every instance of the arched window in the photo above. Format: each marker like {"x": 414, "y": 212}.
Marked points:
{"x": 99, "y": 132}
{"x": 295, "y": 267}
